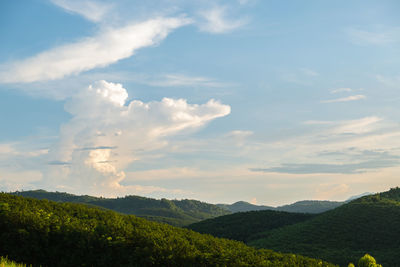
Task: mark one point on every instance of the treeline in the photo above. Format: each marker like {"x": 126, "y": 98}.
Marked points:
{"x": 42, "y": 232}
{"x": 173, "y": 212}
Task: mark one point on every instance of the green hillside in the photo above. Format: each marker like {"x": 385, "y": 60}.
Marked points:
{"x": 47, "y": 233}
{"x": 244, "y": 226}
{"x": 370, "y": 224}
{"x": 174, "y": 212}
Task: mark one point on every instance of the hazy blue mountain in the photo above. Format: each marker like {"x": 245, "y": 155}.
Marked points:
{"x": 310, "y": 206}
{"x": 242, "y": 206}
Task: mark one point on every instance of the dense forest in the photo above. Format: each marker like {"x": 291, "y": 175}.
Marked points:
{"x": 244, "y": 226}
{"x": 47, "y": 233}
{"x": 366, "y": 225}
{"x": 173, "y": 212}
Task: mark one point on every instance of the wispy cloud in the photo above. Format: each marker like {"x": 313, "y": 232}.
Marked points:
{"x": 104, "y": 49}
{"x": 309, "y": 72}
{"x": 378, "y": 36}
{"x": 91, "y": 10}
{"x": 216, "y": 20}
{"x": 360, "y": 162}
{"x": 346, "y": 168}
{"x": 341, "y": 90}
{"x": 176, "y": 80}
{"x": 345, "y": 99}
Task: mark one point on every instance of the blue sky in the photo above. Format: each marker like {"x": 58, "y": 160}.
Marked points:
{"x": 264, "y": 101}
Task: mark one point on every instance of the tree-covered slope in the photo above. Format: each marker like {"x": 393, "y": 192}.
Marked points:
{"x": 367, "y": 225}
{"x": 244, "y": 226}
{"x": 174, "y": 212}
{"x": 47, "y": 233}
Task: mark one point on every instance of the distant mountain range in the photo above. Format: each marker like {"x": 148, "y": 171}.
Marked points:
{"x": 304, "y": 206}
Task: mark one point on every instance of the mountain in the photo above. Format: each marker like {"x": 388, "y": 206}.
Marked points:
{"x": 305, "y": 206}
{"x": 244, "y": 226}
{"x": 310, "y": 206}
{"x": 48, "y": 233}
{"x": 370, "y": 224}
{"x": 174, "y": 212}
{"x": 242, "y": 206}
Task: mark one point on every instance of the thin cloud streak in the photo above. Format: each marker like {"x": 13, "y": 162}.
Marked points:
{"x": 345, "y": 99}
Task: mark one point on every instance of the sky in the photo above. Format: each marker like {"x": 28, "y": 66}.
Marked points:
{"x": 263, "y": 101}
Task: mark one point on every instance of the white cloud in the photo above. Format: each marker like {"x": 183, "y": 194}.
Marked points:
{"x": 91, "y": 10}
{"x": 104, "y": 49}
{"x": 106, "y": 134}
{"x": 345, "y": 99}
{"x": 114, "y": 92}
{"x": 341, "y": 90}
{"x": 215, "y": 20}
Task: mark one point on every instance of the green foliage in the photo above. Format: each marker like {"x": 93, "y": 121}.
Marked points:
{"x": 5, "y": 262}
{"x": 244, "y": 226}
{"x": 351, "y": 265}
{"x": 369, "y": 224}
{"x": 42, "y": 232}
{"x": 174, "y": 212}
{"x": 368, "y": 261}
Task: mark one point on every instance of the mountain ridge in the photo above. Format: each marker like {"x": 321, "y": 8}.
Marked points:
{"x": 174, "y": 212}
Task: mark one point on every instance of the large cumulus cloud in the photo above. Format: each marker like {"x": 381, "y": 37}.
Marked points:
{"x": 106, "y": 134}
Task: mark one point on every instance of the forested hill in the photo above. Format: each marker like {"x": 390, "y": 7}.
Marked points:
{"x": 304, "y": 206}
{"x": 370, "y": 224}
{"x": 48, "y": 233}
{"x": 244, "y": 226}
{"x": 174, "y": 212}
